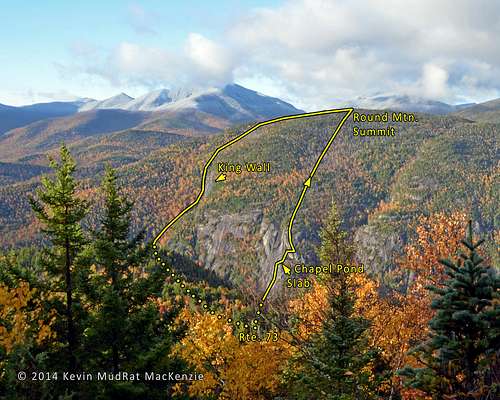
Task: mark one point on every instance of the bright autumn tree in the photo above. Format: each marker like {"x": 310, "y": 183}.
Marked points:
{"x": 20, "y": 318}
{"x": 459, "y": 360}
{"x": 231, "y": 369}
{"x": 437, "y": 236}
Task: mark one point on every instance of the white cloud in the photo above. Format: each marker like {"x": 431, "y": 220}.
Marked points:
{"x": 202, "y": 63}
{"x": 318, "y": 53}
{"x": 212, "y": 61}
{"x": 336, "y": 50}
{"x": 434, "y": 81}
{"x": 135, "y": 62}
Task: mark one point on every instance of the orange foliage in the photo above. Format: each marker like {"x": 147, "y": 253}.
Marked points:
{"x": 398, "y": 321}
{"x": 18, "y": 318}
{"x": 231, "y": 369}
{"x": 438, "y": 237}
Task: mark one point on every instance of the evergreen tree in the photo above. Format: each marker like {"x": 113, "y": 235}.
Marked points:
{"x": 115, "y": 255}
{"x": 126, "y": 330}
{"x": 61, "y": 212}
{"x": 460, "y": 357}
{"x": 335, "y": 247}
{"x": 337, "y": 363}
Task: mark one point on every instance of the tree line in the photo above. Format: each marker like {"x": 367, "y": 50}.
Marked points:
{"x": 93, "y": 295}
{"x": 91, "y": 300}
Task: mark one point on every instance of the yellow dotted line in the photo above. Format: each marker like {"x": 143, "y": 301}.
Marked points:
{"x": 199, "y": 301}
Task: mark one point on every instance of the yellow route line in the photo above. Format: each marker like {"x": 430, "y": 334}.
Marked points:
{"x": 237, "y": 139}
{"x": 307, "y": 184}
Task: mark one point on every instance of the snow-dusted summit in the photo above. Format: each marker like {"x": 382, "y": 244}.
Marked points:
{"x": 150, "y": 101}
{"x": 405, "y": 103}
{"x": 119, "y": 101}
{"x": 233, "y": 102}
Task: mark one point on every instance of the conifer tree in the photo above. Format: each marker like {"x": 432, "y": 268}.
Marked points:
{"x": 61, "y": 212}
{"x": 337, "y": 363}
{"x": 115, "y": 256}
{"x": 335, "y": 246}
{"x": 460, "y": 357}
{"x": 126, "y": 329}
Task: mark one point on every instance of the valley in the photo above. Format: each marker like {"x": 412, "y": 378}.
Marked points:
{"x": 250, "y": 200}
{"x": 381, "y": 186}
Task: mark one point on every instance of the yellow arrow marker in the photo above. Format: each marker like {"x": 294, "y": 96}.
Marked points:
{"x": 220, "y": 178}
{"x": 307, "y": 183}
{"x": 286, "y": 270}
{"x": 236, "y": 139}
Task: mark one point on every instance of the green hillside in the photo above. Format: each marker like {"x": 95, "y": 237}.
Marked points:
{"x": 435, "y": 164}
{"x": 485, "y": 112}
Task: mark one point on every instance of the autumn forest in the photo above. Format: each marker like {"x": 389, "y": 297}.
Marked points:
{"x": 88, "y": 312}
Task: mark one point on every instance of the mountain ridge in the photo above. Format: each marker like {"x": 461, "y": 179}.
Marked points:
{"x": 191, "y": 114}
{"x": 488, "y": 111}
{"x": 407, "y": 103}
{"x": 12, "y": 117}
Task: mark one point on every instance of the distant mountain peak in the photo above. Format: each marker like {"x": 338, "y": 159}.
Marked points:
{"x": 149, "y": 101}
{"x": 232, "y": 102}
{"x": 117, "y": 101}
{"x": 122, "y": 97}
{"x": 402, "y": 102}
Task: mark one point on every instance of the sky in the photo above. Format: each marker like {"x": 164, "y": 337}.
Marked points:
{"x": 314, "y": 53}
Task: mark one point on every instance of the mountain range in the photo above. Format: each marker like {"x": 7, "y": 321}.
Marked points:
{"x": 209, "y": 111}
{"x": 408, "y": 104}
{"x": 158, "y": 142}
{"x": 232, "y": 103}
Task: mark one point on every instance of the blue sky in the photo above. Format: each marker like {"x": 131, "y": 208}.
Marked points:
{"x": 36, "y": 38}
{"x": 314, "y": 53}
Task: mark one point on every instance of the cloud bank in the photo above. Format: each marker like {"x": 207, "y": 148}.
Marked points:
{"x": 318, "y": 53}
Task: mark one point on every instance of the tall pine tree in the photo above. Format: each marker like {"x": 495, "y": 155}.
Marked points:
{"x": 61, "y": 212}
{"x": 126, "y": 330}
{"x": 460, "y": 357}
{"x": 115, "y": 255}
{"x": 337, "y": 363}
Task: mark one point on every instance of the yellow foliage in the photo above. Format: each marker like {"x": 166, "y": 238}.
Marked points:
{"x": 396, "y": 321}
{"x": 231, "y": 369}
{"x": 17, "y": 317}
{"x": 311, "y": 307}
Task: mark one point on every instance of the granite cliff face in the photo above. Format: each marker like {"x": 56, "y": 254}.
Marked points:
{"x": 240, "y": 247}
{"x": 243, "y": 247}
{"x": 378, "y": 248}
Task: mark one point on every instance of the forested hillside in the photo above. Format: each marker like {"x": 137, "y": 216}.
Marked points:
{"x": 82, "y": 291}
{"x": 380, "y": 184}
